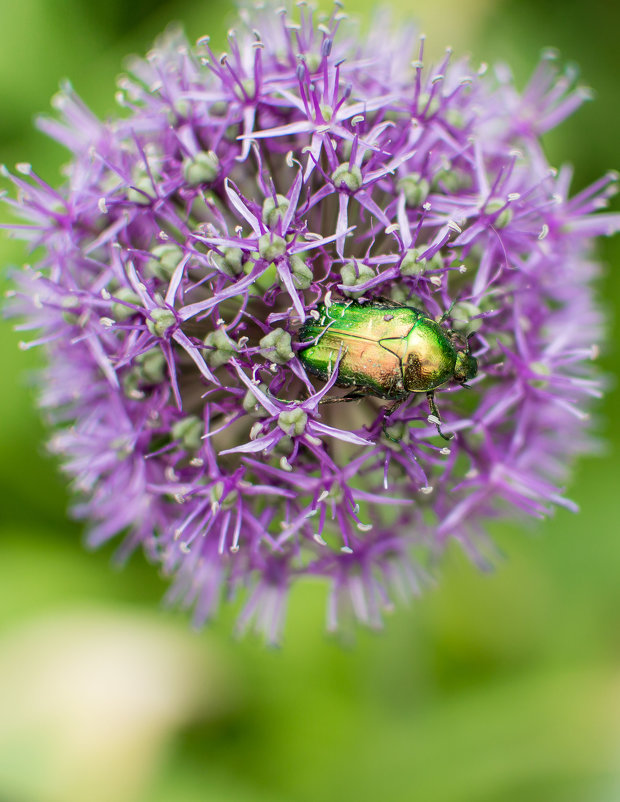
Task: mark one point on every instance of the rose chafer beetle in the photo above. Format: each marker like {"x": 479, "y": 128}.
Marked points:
{"x": 385, "y": 350}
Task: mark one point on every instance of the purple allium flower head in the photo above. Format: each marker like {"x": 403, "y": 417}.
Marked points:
{"x": 198, "y": 230}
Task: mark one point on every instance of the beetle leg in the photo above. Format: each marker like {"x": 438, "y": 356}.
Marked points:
{"x": 435, "y": 417}
{"x": 389, "y": 411}
{"x": 355, "y": 395}
{"x": 385, "y": 301}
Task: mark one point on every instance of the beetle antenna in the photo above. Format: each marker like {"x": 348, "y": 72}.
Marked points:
{"x": 447, "y": 313}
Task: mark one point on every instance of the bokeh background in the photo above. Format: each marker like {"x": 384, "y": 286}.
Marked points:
{"x": 492, "y": 688}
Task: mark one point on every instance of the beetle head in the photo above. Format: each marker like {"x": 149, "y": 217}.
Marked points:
{"x": 466, "y": 367}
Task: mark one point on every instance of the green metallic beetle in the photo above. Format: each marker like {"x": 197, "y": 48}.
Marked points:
{"x": 385, "y": 350}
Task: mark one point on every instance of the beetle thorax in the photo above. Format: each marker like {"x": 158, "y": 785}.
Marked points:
{"x": 429, "y": 358}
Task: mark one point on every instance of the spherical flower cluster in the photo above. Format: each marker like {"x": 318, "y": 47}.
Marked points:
{"x": 234, "y": 196}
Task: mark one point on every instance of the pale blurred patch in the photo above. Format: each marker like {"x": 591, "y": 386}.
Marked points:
{"x": 446, "y": 23}
{"x": 89, "y": 701}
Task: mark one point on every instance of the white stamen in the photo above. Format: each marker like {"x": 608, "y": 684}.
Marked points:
{"x": 285, "y": 464}
{"x": 255, "y": 430}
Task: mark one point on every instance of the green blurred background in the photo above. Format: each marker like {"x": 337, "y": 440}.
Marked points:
{"x": 492, "y": 688}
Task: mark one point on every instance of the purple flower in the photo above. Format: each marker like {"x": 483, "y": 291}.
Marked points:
{"x": 196, "y": 233}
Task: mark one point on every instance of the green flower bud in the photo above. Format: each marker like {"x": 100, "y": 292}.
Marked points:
{"x": 300, "y": 272}
{"x": 284, "y": 446}
{"x": 221, "y": 348}
{"x": 351, "y": 177}
{"x": 399, "y": 294}
{"x": 542, "y": 370}
{"x": 232, "y": 132}
{"x": 122, "y": 446}
{"x": 231, "y": 263}
{"x": 347, "y": 147}
{"x": 218, "y": 109}
{"x": 120, "y": 311}
{"x": 189, "y": 431}
{"x": 182, "y": 108}
{"x": 151, "y": 366}
{"x": 412, "y": 265}
{"x": 271, "y": 246}
{"x": 313, "y": 61}
{"x": 252, "y": 406}
{"x": 451, "y": 179}
{"x": 164, "y": 261}
{"x": 354, "y": 274}
{"x": 216, "y": 494}
{"x": 71, "y": 307}
{"x": 161, "y": 321}
{"x": 423, "y": 102}
{"x": 203, "y": 168}
{"x": 249, "y": 89}
{"x": 504, "y": 217}
{"x": 131, "y": 385}
{"x": 461, "y": 317}
{"x": 293, "y": 421}
{"x": 455, "y": 118}
{"x": 414, "y": 188}
{"x": 276, "y": 347}
{"x": 274, "y": 212}
{"x": 141, "y": 190}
